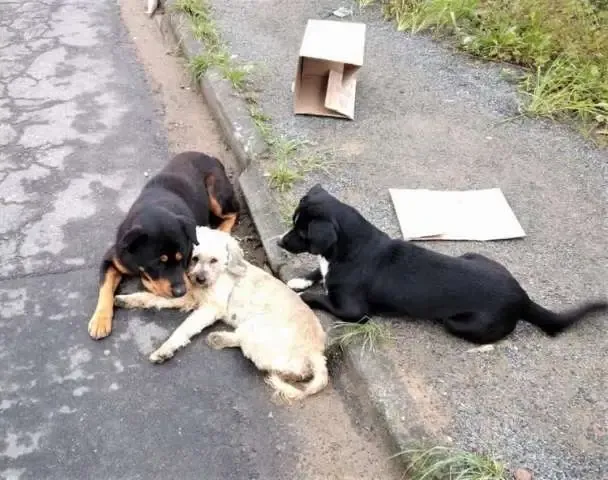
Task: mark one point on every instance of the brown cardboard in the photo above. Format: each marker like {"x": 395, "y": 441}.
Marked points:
{"x": 480, "y": 215}
{"x": 330, "y": 57}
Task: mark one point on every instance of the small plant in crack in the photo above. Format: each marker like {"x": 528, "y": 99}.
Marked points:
{"x": 215, "y": 54}
{"x": 369, "y": 335}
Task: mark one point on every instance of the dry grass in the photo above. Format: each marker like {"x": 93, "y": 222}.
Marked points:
{"x": 369, "y": 336}
{"x": 441, "y": 463}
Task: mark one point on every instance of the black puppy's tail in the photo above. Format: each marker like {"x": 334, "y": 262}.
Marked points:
{"x": 554, "y": 323}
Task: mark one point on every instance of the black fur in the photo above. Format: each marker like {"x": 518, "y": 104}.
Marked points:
{"x": 369, "y": 273}
{"x": 163, "y": 219}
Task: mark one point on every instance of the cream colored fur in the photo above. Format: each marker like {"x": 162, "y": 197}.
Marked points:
{"x": 274, "y": 328}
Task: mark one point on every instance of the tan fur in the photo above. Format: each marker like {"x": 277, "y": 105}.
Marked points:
{"x": 228, "y": 223}
{"x": 160, "y": 286}
{"x": 100, "y": 324}
{"x": 274, "y": 328}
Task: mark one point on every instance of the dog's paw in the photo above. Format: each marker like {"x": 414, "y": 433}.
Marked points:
{"x": 299, "y": 284}
{"x": 160, "y": 356}
{"x": 307, "y": 297}
{"x": 121, "y": 301}
{"x": 100, "y": 325}
{"x": 215, "y": 340}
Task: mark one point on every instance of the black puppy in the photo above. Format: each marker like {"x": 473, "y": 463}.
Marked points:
{"x": 155, "y": 239}
{"x": 367, "y": 272}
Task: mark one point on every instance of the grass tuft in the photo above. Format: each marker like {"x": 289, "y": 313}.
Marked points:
{"x": 215, "y": 54}
{"x": 563, "y": 44}
{"x": 369, "y": 336}
{"x": 287, "y": 205}
{"x": 202, "y": 62}
{"x": 292, "y": 160}
{"x": 442, "y": 463}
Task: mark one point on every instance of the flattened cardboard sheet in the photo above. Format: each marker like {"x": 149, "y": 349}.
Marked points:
{"x": 455, "y": 215}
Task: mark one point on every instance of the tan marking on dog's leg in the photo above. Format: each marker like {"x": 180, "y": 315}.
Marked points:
{"x": 215, "y": 206}
{"x": 229, "y": 219}
{"x": 100, "y": 325}
{"x": 228, "y": 224}
{"x": 194, "y": 324}
{"x": 219, "y": 340}
{"x": 120, "y": 267}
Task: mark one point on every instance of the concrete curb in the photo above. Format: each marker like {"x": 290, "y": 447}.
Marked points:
{"x": 372, "y": 376}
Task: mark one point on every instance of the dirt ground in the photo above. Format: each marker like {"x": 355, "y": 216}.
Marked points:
{"x": 340, "y": 443}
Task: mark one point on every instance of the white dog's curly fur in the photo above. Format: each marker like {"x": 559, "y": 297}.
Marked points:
{"x": 274, "y": 328}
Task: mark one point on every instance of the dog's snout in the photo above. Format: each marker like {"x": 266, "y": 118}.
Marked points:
{"x": 178, "y": 290}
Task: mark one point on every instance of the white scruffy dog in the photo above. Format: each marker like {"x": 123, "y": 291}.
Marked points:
{"x": 274, "y": 328}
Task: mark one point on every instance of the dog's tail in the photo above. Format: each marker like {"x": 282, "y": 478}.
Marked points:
{"x": 283, "y": 391}
{"x": 320, "y": 375}
{"x": 288, "y": 393}
{"x": 554, "y": 323}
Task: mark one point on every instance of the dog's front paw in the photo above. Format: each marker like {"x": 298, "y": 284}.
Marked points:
{"x": 160, "y": 355}
{"x": 216, "y": 340}
{"x": 299, "y": 284}
{"x": 100, "y": 325}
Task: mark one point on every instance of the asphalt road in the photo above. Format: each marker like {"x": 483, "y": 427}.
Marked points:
{"x": 79, "y": 131}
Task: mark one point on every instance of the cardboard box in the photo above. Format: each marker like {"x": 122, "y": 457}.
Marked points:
{"x": 330, "y": 57}
{"x": 480, "y": 215}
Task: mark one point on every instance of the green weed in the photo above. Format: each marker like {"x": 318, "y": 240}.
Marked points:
{"x": 215, "y": 54}
{"x": 563, "y": 44}
{"x": 287, "y": 205}
{"x": 367, "y": 335}
{"x": 441, "y": 463}
{"x": 292, "y": 161}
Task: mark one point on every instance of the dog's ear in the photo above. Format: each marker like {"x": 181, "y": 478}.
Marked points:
{"x": 317, "y": 188}
{"x": 322, "y": 236}
{"x": 135, "y": 236}
{"x": 313, "y": 193}
{"x": 189, "y": 228}
{"x": 236, "y": 260}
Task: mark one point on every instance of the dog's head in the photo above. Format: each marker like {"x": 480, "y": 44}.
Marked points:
{"x": 315, "y": 228}
{"x": 158, "y": 246}
{"x": 217, "y": 252}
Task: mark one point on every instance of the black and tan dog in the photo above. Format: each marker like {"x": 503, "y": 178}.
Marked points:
{"x": 155, "y": 239}
{"x": 366, "y": 272}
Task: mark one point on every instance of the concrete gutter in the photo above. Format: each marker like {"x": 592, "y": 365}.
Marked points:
{"x": 370, "y": 376}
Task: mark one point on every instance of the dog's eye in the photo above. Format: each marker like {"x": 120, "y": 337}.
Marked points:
{"x": 178, "y": 256}
{"x": 195, "y": 258}
{"x": 164, "y": 258}
{"x": 213, "y": 260}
